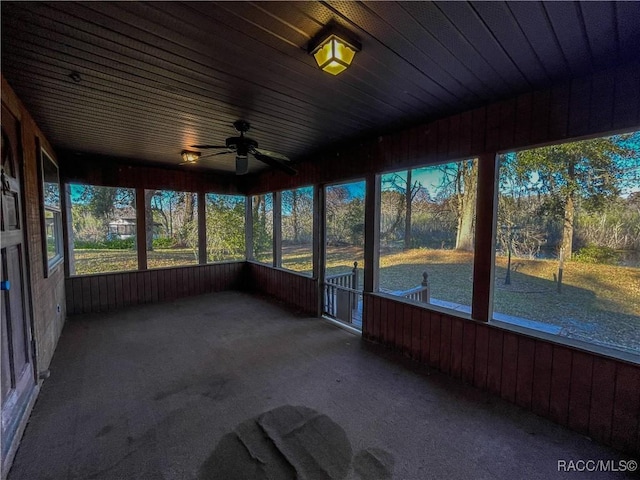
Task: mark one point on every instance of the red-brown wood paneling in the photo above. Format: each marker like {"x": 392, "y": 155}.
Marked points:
{"x": 589, "y": 393}
{"x": 457, "y": 338}
{"x": 434, "y": 336}
{"x": 524, "y": 375}
{"x": 580, "y": 392}
{"x": 480, "y": 362}
{"x": 416, "y": 334}
{"x": 494, "y": 360}
{"x": 509, "y": 366}
{"x": 568, "y": 385}
{"x": 560, "y": 383}
{"x": 111, "y": 291}
{"x": 407, "y": 322}
{"x": 523, "y": 120}
{"x": 446, "y": 326}
{"x": 286, "y": 286}
{"x": 542, "y": 378}
{"x": 540, "y": 117}
{"x": 579, "y": 107}
{"x": 626, "y": 408}
{"x": 626, "y": 101}
{"x": 602, "y": 101}
{"x": 468, "y": 351}
{"x": 602, "y": 398}
{"x": 584, "y": 391}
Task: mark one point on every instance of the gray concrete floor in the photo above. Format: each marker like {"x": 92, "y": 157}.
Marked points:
{"x": 150, "y": 392}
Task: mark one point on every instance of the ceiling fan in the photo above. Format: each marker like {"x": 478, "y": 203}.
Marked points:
{"x": 243, "y": 146}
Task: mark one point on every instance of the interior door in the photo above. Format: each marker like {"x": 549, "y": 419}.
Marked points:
{"x": 18, "y": 378}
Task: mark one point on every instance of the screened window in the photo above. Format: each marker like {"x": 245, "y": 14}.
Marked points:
{"x": 297, "y": 230}
{"x": 225, "y": 227}
{"x": 344, "y": 227}
{"x": 262, "y": 210}
{"x": 103, "y": 233}
{"x": 52, "y": 212}
{"x": 568, "y": 242}
{"x": 171, "y": 228}
{"x": 427, "y": 228}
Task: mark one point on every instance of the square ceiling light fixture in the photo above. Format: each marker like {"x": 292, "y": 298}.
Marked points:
{"x": 189, "y": 156}
{"x": 334, "y": 48}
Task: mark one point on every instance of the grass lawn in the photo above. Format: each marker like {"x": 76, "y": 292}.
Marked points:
{"x": 91, "y": 261}
{"x": 598, "y": 303}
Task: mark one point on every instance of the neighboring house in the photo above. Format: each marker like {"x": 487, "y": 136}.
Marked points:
{"x": 122, "y": 228}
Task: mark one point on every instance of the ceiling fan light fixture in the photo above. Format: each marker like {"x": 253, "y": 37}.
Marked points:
{"x": 333, "y": 49}
{"x": 242, "y": 165}
{"x": 189, "y": 156}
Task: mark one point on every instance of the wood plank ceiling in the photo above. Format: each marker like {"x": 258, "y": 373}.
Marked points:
{"x": 157, "y": 77}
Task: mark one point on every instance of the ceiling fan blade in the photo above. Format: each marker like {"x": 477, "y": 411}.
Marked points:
{"x": 277, "y": 156}
{"x": 274, "y": 162}
{"x": 226, "y": 152}
{"x": 208, "y": 146}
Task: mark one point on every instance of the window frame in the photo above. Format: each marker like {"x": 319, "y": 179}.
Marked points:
{"x": 245, "y": 200}
{"x": 376, "y": 287}
{"x": 278, "y": 231}
{"x": 196, "y": 212}
{"x": 607, "y": 350}
{"x": 251, "y": 247}
{"x": 50, "y": 264}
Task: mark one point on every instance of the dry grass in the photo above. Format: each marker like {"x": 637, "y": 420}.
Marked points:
{"x": 600, "y": 303}
{"x": 92, "y": 261}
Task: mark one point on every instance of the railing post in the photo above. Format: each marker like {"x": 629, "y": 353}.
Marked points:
{"x": 354, "y": 285}
{"x": 425, "y": 294}
{"x": 354, "y": 281}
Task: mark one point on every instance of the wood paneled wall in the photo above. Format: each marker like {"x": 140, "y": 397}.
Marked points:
{"x": 112, "y": 291}
{"x": 605, "y": 102}
{"x": 292, "y": 288}
{"x": 46, "y": 293}
{"x": 119, "y": 172}
{"x": 589, "y": 393}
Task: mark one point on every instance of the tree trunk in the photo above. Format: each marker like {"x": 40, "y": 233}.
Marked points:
{"x": 467, "y": 206}
{"x": 407, "y": 217}
{"x": 566, "y": 245}
{"x": 188, "y": 207}
{"x": 148, "y": 215}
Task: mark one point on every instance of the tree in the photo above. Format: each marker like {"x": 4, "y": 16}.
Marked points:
{"x": 225, "y": 227}
{"x": 587, "y": 171}
{"x": 397, "y": 201}
{"x": 262, "y": 207}
{"x": 466, "y": 189}
{"x": 297, "y": 215}
{"x": 460, "y": 181}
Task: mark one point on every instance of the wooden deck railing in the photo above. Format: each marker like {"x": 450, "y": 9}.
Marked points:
{"x": 345, "y": 280}
{"x": 421, "y": 293}
{"x": 340, "y": 290}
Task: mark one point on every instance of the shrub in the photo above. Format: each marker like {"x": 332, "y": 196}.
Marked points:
{"x": 164, "y": 242}
{"x": 114, "y": 244}
{"x": 597, "y": 254}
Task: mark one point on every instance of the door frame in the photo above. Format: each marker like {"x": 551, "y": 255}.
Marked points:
{"x": 30, "y": 396}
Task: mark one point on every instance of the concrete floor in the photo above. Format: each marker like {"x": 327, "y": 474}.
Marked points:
{"x": 178, "y": 391}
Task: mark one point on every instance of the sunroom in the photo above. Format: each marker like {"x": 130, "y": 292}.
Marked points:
{"x": 227, "y": 253}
